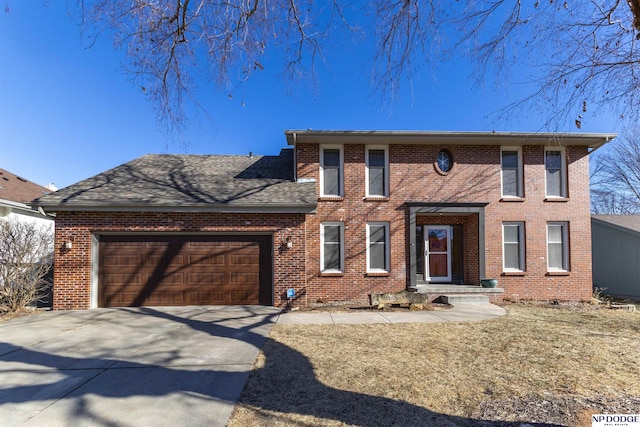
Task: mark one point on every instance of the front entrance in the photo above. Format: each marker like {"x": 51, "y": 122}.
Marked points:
{"x": 440, "y": 253}
{"x": 446, "y": 243}
{"x": 437, "y": 244}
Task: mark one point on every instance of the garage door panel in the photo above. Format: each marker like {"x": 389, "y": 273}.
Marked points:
{"x": 126, "y": 244}
{"x": 120, "y": 298}
{"x": 243, "y": 279}
{"x": 162, "y": 259}
{"x": 184, "y": 270}
{"x": 216, "y": 297}
{"x": 156, "y": 244}
{"x": 123, "y": 279}
{"x": 244, "y": 296}
{"x": 167, "y": 279}
{"x": 207, "y": 259}
{"x": 122, "y": 260}
{"x": 165, "y": 298}
{"x": 206, "y": 278}
{"x": 245, "y": 260}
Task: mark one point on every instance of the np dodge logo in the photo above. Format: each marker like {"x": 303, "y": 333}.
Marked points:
{"x": 615, "y": 420}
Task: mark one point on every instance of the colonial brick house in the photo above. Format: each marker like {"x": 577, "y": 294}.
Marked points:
{"x": 337, "y": 216}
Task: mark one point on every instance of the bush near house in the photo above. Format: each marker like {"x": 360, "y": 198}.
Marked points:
{"x": 26, "y": 260}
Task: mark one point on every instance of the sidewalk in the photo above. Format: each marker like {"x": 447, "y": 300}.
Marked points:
{"x": 458, "y": 313}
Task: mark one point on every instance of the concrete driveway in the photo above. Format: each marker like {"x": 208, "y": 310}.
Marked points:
{"x": 129, "y": 367}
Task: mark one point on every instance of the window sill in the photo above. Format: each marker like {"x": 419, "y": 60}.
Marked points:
{"x": 330, "y": 199}
{"x": 514, "y": 273}
{"x": 512, "y": 199}
{"x": 377, "y": 274}
{"x": 331, "y": 274}
{"x": 556, "y": 199}
{"x": 376, "y": 199}
{"x": 558, "y": 273}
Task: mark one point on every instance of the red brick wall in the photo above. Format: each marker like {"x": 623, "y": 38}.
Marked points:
{"x": 72, "y": 289}
{"x": 475, "y": 177}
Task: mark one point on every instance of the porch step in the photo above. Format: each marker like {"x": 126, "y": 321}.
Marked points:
{"x": 464, "y": 299}
{"x": 445, "y": 289}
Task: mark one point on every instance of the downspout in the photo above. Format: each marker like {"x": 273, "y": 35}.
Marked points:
{"x": 295, "y": 158}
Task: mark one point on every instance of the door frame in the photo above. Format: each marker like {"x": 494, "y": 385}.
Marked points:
{"x": 427, "y": 275}
{"x": 438, "y": 209}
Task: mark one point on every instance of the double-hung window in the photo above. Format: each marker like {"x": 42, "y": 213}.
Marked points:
{"x": 331, "y": 171}
{"x": 377, "y": 178}
{"x": 511, "y": 161}
{"x": 557, "y": 246}
{"x": 555, "y": 172}
{"x": 377, "y": 247}
{"x": 331, "y": 247}
{"x": 513, "y": 246}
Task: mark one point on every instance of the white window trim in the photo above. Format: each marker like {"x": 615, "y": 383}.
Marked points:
{"x": 565, "y": 246}
{"x": 387, "y": 249}
{"x": 341, "y": 175}
{"x": 521, "y": 247}
{"x": 341, "y": 225}
{"x": 563, "y": 172}
{"x": 520, "y": 173}
{"x": 386, "y": 170}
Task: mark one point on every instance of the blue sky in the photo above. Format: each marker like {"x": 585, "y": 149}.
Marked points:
{"x": 68, "y": 112}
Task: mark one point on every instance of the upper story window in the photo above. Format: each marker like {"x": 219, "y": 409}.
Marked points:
{"x": 331, "y": 247}
{"x": 555, "y": 172}
{"x": 557, "y": 246}
{"x": 331, "y": 171}
{"x": 511, "y": 161}
{"x": 444, "y": 162}
{"x": 513, "y": 246}
{"x": 378, "y": 247}
{"x": 377, "y": 179}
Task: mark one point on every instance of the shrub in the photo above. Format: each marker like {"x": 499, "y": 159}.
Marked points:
{"x": 26, "y": 258}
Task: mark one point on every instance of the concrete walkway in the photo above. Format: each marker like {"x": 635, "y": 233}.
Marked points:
{"x": 458, "y": 313}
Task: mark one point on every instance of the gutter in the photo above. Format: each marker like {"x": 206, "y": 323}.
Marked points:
{"x": 607, "y": 139}
{"x": 284, "y": 209}
{"x": 24, "y": 207}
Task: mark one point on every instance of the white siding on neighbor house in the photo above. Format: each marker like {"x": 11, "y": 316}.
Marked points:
{"x": 616, "y": 259}
{"x": 40, "y": 220}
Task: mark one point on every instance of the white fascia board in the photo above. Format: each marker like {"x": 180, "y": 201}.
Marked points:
{"x": 591, "y": 140}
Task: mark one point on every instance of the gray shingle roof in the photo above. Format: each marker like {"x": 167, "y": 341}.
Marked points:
{"x": 201, "y": 182}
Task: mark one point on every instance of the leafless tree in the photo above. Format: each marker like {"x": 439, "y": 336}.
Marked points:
{"x": 615, "y": 177}
{"x": 26, "y": 258}
{"x": 580, "y": 54}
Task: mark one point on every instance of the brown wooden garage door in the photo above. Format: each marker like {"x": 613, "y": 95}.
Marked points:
{"x": 148, "y": 270}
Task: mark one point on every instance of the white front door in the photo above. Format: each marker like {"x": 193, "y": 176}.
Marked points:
{"x": 437, "y": 245}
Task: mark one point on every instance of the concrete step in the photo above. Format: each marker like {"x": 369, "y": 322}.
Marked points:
{"x": 446, "y": 289}
{"x": 464, "y": 299}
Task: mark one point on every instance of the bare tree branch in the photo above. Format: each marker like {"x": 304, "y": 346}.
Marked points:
{"x": 580, "y": 57}
{"x": 26, "y": 257}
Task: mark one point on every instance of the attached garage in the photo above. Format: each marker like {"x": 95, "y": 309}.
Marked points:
{"x": 164, "y": 270}
{"x": 174, "y": 230}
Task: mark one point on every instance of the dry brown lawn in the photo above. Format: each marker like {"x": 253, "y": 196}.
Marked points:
{"x": 552, "y": 366}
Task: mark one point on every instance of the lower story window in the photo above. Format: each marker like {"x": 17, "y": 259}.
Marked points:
{"x": 331, "y": 247}
{"x": 377, "y": 247}
{"x": 557, "y": 246}
{"x": 513, "y": 246}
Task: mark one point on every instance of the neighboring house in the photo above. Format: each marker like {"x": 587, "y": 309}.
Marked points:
{"x": 340, "y": 215}
{"x": 15, "y": 195}
{"x": 616, "y": 254}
